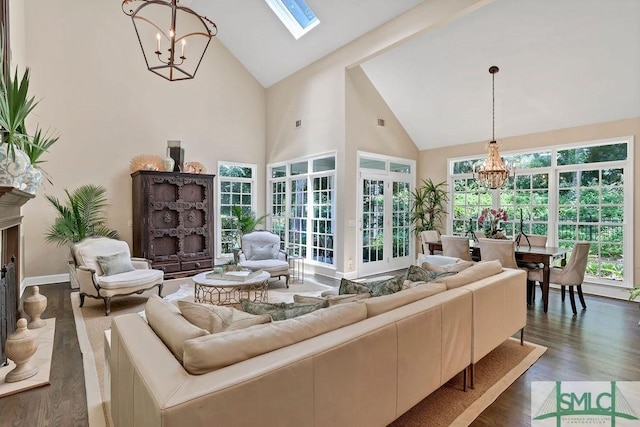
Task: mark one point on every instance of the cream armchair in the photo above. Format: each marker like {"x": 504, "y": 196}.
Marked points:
{"x": 261, "y": 251}
{"x": 105, "y": 269}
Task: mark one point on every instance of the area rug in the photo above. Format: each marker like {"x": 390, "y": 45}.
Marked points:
{"x": 42, "y": 359}
{"x": 91, "y": 324}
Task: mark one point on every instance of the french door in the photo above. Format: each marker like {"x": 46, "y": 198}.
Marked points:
{"x": 384, "y": 231}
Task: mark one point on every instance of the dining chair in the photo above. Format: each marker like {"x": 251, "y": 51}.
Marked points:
{"x": 502, "y": 250}
{"x": 456, "y": 246}
{"x": 428, "y": 236}
{"x": 536, "y": 240}
{"x": 570, "y": 275}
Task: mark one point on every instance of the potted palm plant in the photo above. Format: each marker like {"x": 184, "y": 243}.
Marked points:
{"x": 82, "y": 215}
{"x": 429, "y": 206}
{"x": 19, "y": 152}
{"x": 246, "y": 222}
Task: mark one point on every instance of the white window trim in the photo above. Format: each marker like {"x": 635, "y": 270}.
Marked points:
{"x": 254, "y": 183}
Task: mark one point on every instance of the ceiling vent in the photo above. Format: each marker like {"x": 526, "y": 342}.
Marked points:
{"x": 298, "y": 123}
{"x": 381, "y": 122}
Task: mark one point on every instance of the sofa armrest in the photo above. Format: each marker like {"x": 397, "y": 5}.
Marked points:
{"x": 282, "y": 255}
{"x": 141, "y": 263}
{"x": 87, "y": 280}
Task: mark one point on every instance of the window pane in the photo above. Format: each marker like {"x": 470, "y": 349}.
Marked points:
{"x": 278, "y": 172}
{"x": 372, "y": 164}
{"x": 600, "y": 153}
{"x": 299, "y": 168}
{"x": 399, "y": 167}
{"x": 325, "y": 164}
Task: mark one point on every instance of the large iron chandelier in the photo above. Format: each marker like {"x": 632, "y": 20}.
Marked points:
{"x": 494, "y": 172}
{"x": 170, "y": 51}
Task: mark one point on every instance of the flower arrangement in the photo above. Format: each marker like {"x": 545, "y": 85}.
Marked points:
{"x": 489, "y": 221}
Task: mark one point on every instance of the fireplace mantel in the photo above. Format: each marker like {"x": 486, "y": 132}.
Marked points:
{"x": 11, "y": 199}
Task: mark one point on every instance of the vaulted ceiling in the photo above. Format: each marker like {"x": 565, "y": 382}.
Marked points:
{"x": 562, "y": 63}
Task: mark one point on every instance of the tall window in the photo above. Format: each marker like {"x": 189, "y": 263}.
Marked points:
{"x": 303, "y": 206}
{"x": 236, "y": 188}
{"x": 579, "y": 192}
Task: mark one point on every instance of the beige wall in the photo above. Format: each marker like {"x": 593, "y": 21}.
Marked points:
{"x": 318, "y": 96}
{"x": 433, "y": 163}
{"x": 364, "y": 106}
{"x": 90, "y": 74}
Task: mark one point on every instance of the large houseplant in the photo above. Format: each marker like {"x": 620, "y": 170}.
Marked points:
{"x": 81, "y": 216}
{"x": 20, "y": 152}
{"x": 246, "y": 222}
{"x": 429, "y": 205}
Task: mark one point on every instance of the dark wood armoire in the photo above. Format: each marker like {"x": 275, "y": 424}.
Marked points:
{"x": 173, "y": 221}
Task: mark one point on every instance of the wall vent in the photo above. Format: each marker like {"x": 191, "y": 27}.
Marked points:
{"x": 381, "y": 122}
{"x": 298, "y": 123}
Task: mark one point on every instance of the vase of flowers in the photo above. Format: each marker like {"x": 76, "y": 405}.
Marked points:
{"x": 489, "y": 221}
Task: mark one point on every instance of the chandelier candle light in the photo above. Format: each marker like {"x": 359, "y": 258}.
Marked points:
{"x": 494, "y": 172}
{"x": 161, "y": 41}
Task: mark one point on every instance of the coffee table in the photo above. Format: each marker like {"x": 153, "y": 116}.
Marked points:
{"x": 229, "y": 292}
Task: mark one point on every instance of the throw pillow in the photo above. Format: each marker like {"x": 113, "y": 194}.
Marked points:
{"x": 456, "y": 267}
{"x": 259, "y": 253}
{"x": 351, "y": 287}
{"x": 215, "y": 318}
{"x": 114, "y": 264}
{"x": 419, "y": 274}
{"x": 375, "y": 288}
{"x": 280, "y": 310}
{"x": 169, "y": 325}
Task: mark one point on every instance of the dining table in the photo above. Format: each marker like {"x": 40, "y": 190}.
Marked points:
{"x": 544, "y": 255}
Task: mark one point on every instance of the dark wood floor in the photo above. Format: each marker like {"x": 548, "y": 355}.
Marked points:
{"x": 599, "y": 344}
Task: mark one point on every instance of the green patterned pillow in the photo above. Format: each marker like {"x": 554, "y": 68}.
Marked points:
{"x": 115, "y": 264}
{"x": 280, "y": 310}
{"x": 375, "y": 288}
{"x": 419, "y": 274}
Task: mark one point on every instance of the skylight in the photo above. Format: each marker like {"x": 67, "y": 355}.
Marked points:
{"x": 295, "y": 15}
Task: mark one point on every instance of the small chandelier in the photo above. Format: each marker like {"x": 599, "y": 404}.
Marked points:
{"x": 494, "y": 172}
{"x": 171, "y": 52}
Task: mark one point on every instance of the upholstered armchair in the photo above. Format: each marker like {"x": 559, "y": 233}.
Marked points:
{"x": 105, "y": 269}
{"x": 456, "y": 247}
{"x": 428, "y": 236}
{"x": 261, "y": 251}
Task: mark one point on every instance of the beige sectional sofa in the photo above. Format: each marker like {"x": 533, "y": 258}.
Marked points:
{"x": 369, "y": 372}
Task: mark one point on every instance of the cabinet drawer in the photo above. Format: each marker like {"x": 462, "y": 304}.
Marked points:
{"x": 167, "y": 267}
{"x": 197, "y": 264}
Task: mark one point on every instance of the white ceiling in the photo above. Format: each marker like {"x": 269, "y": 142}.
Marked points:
{"x": 563, "y": 63}
{"x": 257, "y": 38}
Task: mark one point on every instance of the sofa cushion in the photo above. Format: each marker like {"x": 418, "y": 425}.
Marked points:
{"x": 134, "y": 278}
{"x": 116, "y": 263}
{"x": 280, "y": 310}
{"x": 169, "y": 325}
{"x": 211, "y": 352}
{"x": 269, "y": 265}
{"x": 260, "y": 253}
{"x": 447, "y": 268}
{"x": 333, "y": 299}
{"x": 215, "y": 318}
{"x": 480, "y": 271}
{"x": 374, "y": 287}
{"x": 382, "y": 304}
